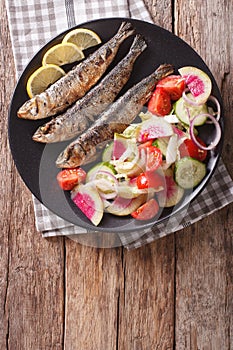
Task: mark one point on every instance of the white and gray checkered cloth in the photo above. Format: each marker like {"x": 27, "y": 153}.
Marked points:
{"x": 34, "y": 22}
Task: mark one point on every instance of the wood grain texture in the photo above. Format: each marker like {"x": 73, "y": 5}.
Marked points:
{"x": 147, "y": 297}
{"x": 175, "y": 293}
{"x": 31, "y": 268}
{"x": 204, "y": 286}
{"x": 161, "y": 12}
{"x": 93, "y": 282}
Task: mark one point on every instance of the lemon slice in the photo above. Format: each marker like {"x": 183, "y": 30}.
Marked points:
{"x": 62, "y": 54}
{"x": 44, "y": 76}
{"x": 82, "y": 37}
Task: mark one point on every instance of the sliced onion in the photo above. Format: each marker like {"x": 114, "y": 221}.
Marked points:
{"x": 131, "y": 148}
{"x": 122, "y": 164}
{"x": 215, "y": 100}
{"x": 171, "y": 118}
{"x": 172, "y": 147}
{"x": 103, "y": 185}
{"x": 218, "y": 132}
{"x": 108, "y": 174}
{"x": 109, "y": 181}
{"x": 189, "y": 101}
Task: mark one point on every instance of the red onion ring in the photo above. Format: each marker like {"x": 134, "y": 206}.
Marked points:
{"x": 215, "y": 100}
{"x": 218, "y": 130}
{"x": 189, "y": 101}
{"x": 196, "y": 104}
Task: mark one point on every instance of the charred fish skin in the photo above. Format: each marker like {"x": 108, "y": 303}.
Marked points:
{"x": 74, "y": 85}
{"x": 79, "y": 117}
{"x": 115, "y": 119}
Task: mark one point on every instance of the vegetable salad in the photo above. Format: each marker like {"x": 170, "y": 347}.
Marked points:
{"x": 153, "y": 162}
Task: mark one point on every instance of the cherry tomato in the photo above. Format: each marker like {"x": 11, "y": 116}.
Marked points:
{"x": 149, "y": 179}
{"x": 160, "y": 102}
{"x": 68, "y": 178}
{"x": 146, "y": 211}
{"x": 189, "y": 148}
{"x": 154, "y": 158}
{"x": 174, "y": 85}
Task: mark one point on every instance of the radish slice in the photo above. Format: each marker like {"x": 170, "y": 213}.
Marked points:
{"x": 125, "y": 206}
{"x": 218, "y": 133}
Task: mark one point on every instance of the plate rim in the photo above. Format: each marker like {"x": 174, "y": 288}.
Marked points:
{"x": 196, "y": 192}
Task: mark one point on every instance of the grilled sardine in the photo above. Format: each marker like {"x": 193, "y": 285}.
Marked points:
{"x": 74, "y": 85}
{"x": 79, "y": 117}
{"x": 115, "y": 119}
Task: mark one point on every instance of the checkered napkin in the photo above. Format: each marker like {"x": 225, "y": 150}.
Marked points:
{"x": 34, "y": 22}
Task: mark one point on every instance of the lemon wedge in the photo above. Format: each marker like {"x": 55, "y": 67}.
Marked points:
{"x": 44, "y": 76}
{"x": 61, "y": 54}
{"x": 82, "y": 37}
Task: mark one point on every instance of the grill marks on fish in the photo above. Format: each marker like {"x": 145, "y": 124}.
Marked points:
{"x": 76, "y": 82}
{"x": 115, "y": 119}
{"x": 79, "y": 117}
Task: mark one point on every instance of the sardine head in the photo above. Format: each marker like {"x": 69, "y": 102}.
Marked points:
{"x": 65, "y": 160}
{"x": 29, "y": 109}
{"x": 39, "y": 136}
{"x": 71, "y": 157}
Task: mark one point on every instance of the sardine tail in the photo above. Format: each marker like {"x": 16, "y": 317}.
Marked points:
{"x": 139, "y": 44}
{"x": 164, "y": 70}
{"x": 126, "y": 29}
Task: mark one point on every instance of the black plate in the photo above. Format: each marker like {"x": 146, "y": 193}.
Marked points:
{"x": 36, "y": 162}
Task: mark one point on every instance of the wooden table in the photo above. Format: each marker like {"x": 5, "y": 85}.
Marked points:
{"x": 175, "y": 293}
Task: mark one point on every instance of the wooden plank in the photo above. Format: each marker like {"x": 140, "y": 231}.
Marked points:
{"x": 31, "y": 268}
{"x": 204, "y": 273}
{"x": 6, "y": 83}
{"x": 93, "y": 283}
{"x": 161, "y": 12}
{"x": 147, "y": 297}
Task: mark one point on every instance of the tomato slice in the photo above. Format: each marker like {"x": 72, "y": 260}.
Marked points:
{"x": 174, "y": 85}
{"x": 149, "y": 179}
{"x": 68, "y": 178}
{"x": 160, "y": 102}
{"x": 154, "y": 158}
{"x": 146, "y": 144}
{"x": 189, "y": 148}
{"x": 146, "y": 211}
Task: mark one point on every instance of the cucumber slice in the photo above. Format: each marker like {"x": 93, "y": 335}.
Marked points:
{"x": 107, "y": 153}
{"x": 181, "y": 111}
{"x": 189, "y": 172}
{"x": 102, "y": 166}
